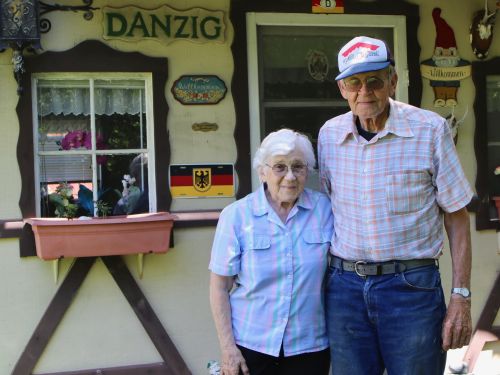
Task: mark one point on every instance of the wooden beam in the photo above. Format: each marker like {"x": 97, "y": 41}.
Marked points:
{"x": 53, "y": 316}
{"x": 145, "y": 313}
{"x": 147, "y": 369}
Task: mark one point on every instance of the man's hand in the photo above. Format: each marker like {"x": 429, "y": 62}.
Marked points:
{"x": 457, "y": 326}
{"x": 233, "y": 361}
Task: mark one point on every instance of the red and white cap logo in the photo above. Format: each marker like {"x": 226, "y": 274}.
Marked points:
{"x": 363, "y": 54}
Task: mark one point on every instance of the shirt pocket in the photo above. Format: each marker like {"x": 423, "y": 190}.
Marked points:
{"x": 256, "y": 242}
{"x": 316, "y": 237}
{"x": 407, "y": 192}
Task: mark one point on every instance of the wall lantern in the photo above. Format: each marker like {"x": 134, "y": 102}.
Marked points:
{"x": 19, "y": 29}
{"x": 21, "y": 25}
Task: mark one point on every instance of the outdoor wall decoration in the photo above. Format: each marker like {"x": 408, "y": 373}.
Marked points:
{"x": 202, "y": 180}
{"x": 327, "y": 6}
{"x": 317, "y": 65}
{"x": 445, "y": 69}
{"x": 163, "y": 24}
{"x": 204, "y": 127}
{"x": 199, "y": 89}
{"x": 481, "y": 30}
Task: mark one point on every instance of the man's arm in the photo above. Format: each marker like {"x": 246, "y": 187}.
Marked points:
{"x": 232, "y": 359}
{"x": 457, "y": 326}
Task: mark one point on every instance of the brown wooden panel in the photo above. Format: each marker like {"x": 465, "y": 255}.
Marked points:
{"x": 53, "y": 316}
{"x": 147, "y": 369}
{"x": 11, "y": 228}
{"x": 146, "y": 315}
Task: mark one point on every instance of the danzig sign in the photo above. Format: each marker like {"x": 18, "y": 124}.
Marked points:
{"x": 163, "y": 24}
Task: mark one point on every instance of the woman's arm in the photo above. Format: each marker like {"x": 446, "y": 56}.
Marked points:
{"x": 232, "y": 360}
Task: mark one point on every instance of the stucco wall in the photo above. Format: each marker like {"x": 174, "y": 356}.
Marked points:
{"x": 100, "y": 329}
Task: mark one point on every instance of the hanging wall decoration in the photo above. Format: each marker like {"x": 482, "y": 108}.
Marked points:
{"x": 201, "y": 180}
{"x": 202, "y": 89}
{"x": 481, "y": 30}
{"x": 317, "y": 65}
{"x": 445, "y": 69}
{"x": 455, "y": 123}
{"x": 327, "y": 6}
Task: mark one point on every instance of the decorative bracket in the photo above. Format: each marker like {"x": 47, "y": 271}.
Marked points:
{"x": 45, "y": 8}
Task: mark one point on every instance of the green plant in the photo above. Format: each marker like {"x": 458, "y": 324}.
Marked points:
{"x": 103, "y": 208}
{"x": 62, "y": 199}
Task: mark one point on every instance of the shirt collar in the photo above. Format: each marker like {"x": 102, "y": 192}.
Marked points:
{"x": 260, "y": 205}
{"x": 396, "y": 123}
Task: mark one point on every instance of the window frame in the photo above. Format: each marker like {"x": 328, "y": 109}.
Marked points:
{"x": 482, "y": 204}
{"x": 90, "y": 56}
{"x": 91, "y": 77}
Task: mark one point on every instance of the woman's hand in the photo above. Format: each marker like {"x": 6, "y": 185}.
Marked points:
{"x": 233, "y": 361}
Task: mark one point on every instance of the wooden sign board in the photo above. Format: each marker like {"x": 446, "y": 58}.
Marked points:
{"x": 199, "y": 89}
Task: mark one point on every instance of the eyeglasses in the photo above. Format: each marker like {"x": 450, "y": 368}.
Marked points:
{"x": 354, "y": 84}
{"x": 280, "y": 170}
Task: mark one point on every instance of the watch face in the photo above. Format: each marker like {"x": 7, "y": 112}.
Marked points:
{"x": 462, "y": 291}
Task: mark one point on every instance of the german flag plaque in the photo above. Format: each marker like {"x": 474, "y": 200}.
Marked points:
{"x": 202, "y": 180}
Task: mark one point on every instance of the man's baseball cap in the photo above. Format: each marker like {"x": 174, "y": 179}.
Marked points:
{"x": 363, "y": 54}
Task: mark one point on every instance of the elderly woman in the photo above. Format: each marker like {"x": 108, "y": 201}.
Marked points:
{"x": 268, "y": 260}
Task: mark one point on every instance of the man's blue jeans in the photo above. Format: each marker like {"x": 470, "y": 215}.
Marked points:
{"x": 390, "y": 321}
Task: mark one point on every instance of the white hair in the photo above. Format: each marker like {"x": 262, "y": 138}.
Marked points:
{"x": 283, "y": 142}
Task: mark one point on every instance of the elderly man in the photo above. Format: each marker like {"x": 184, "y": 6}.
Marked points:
{"x": 392, "y": 173}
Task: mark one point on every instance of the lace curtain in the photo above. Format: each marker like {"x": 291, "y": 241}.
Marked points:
{"x": 76, "y": 101}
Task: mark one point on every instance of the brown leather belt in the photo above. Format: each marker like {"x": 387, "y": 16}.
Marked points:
{"x": 376, "y": 269}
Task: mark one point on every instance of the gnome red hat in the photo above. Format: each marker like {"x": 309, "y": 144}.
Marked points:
{"x": 445, "y": 37}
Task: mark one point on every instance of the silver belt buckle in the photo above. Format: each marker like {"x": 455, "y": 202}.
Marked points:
{"x": 359, "y": 262}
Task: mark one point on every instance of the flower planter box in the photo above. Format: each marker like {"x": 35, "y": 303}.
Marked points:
{"x": 115, "y": 235}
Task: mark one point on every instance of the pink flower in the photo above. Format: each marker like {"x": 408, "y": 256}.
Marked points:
{"x": 81, "y": 138}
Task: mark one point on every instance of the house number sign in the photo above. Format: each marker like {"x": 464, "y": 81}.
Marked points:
{"x": 202, "y": 89}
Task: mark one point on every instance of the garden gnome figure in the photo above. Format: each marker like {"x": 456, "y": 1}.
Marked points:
{"x": 449, "y": 67}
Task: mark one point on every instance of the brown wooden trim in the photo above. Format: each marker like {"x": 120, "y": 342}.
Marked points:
{"x": 239, "y": 85}
{"x": 484, "y": 331}
{"x": 53, "y": 316}
{"x": 92, "y": 56}
{"x": 173, "y": 365}
{"x": 147, "y": 369}
{"x": 11, "y": 228}
{"x": 146, "y": 315}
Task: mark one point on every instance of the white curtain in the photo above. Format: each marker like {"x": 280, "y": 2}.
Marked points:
{"x": 76, "y": 101}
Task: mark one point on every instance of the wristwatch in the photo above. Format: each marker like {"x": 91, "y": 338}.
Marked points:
{"x": 464, "y": 292}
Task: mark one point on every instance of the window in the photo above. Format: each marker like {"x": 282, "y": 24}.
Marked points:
{"x": 90, "y": 132}
{"x": 292, "y": 64}
{"x": 493, "y": 130}
{"x": 486, "y": 76}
